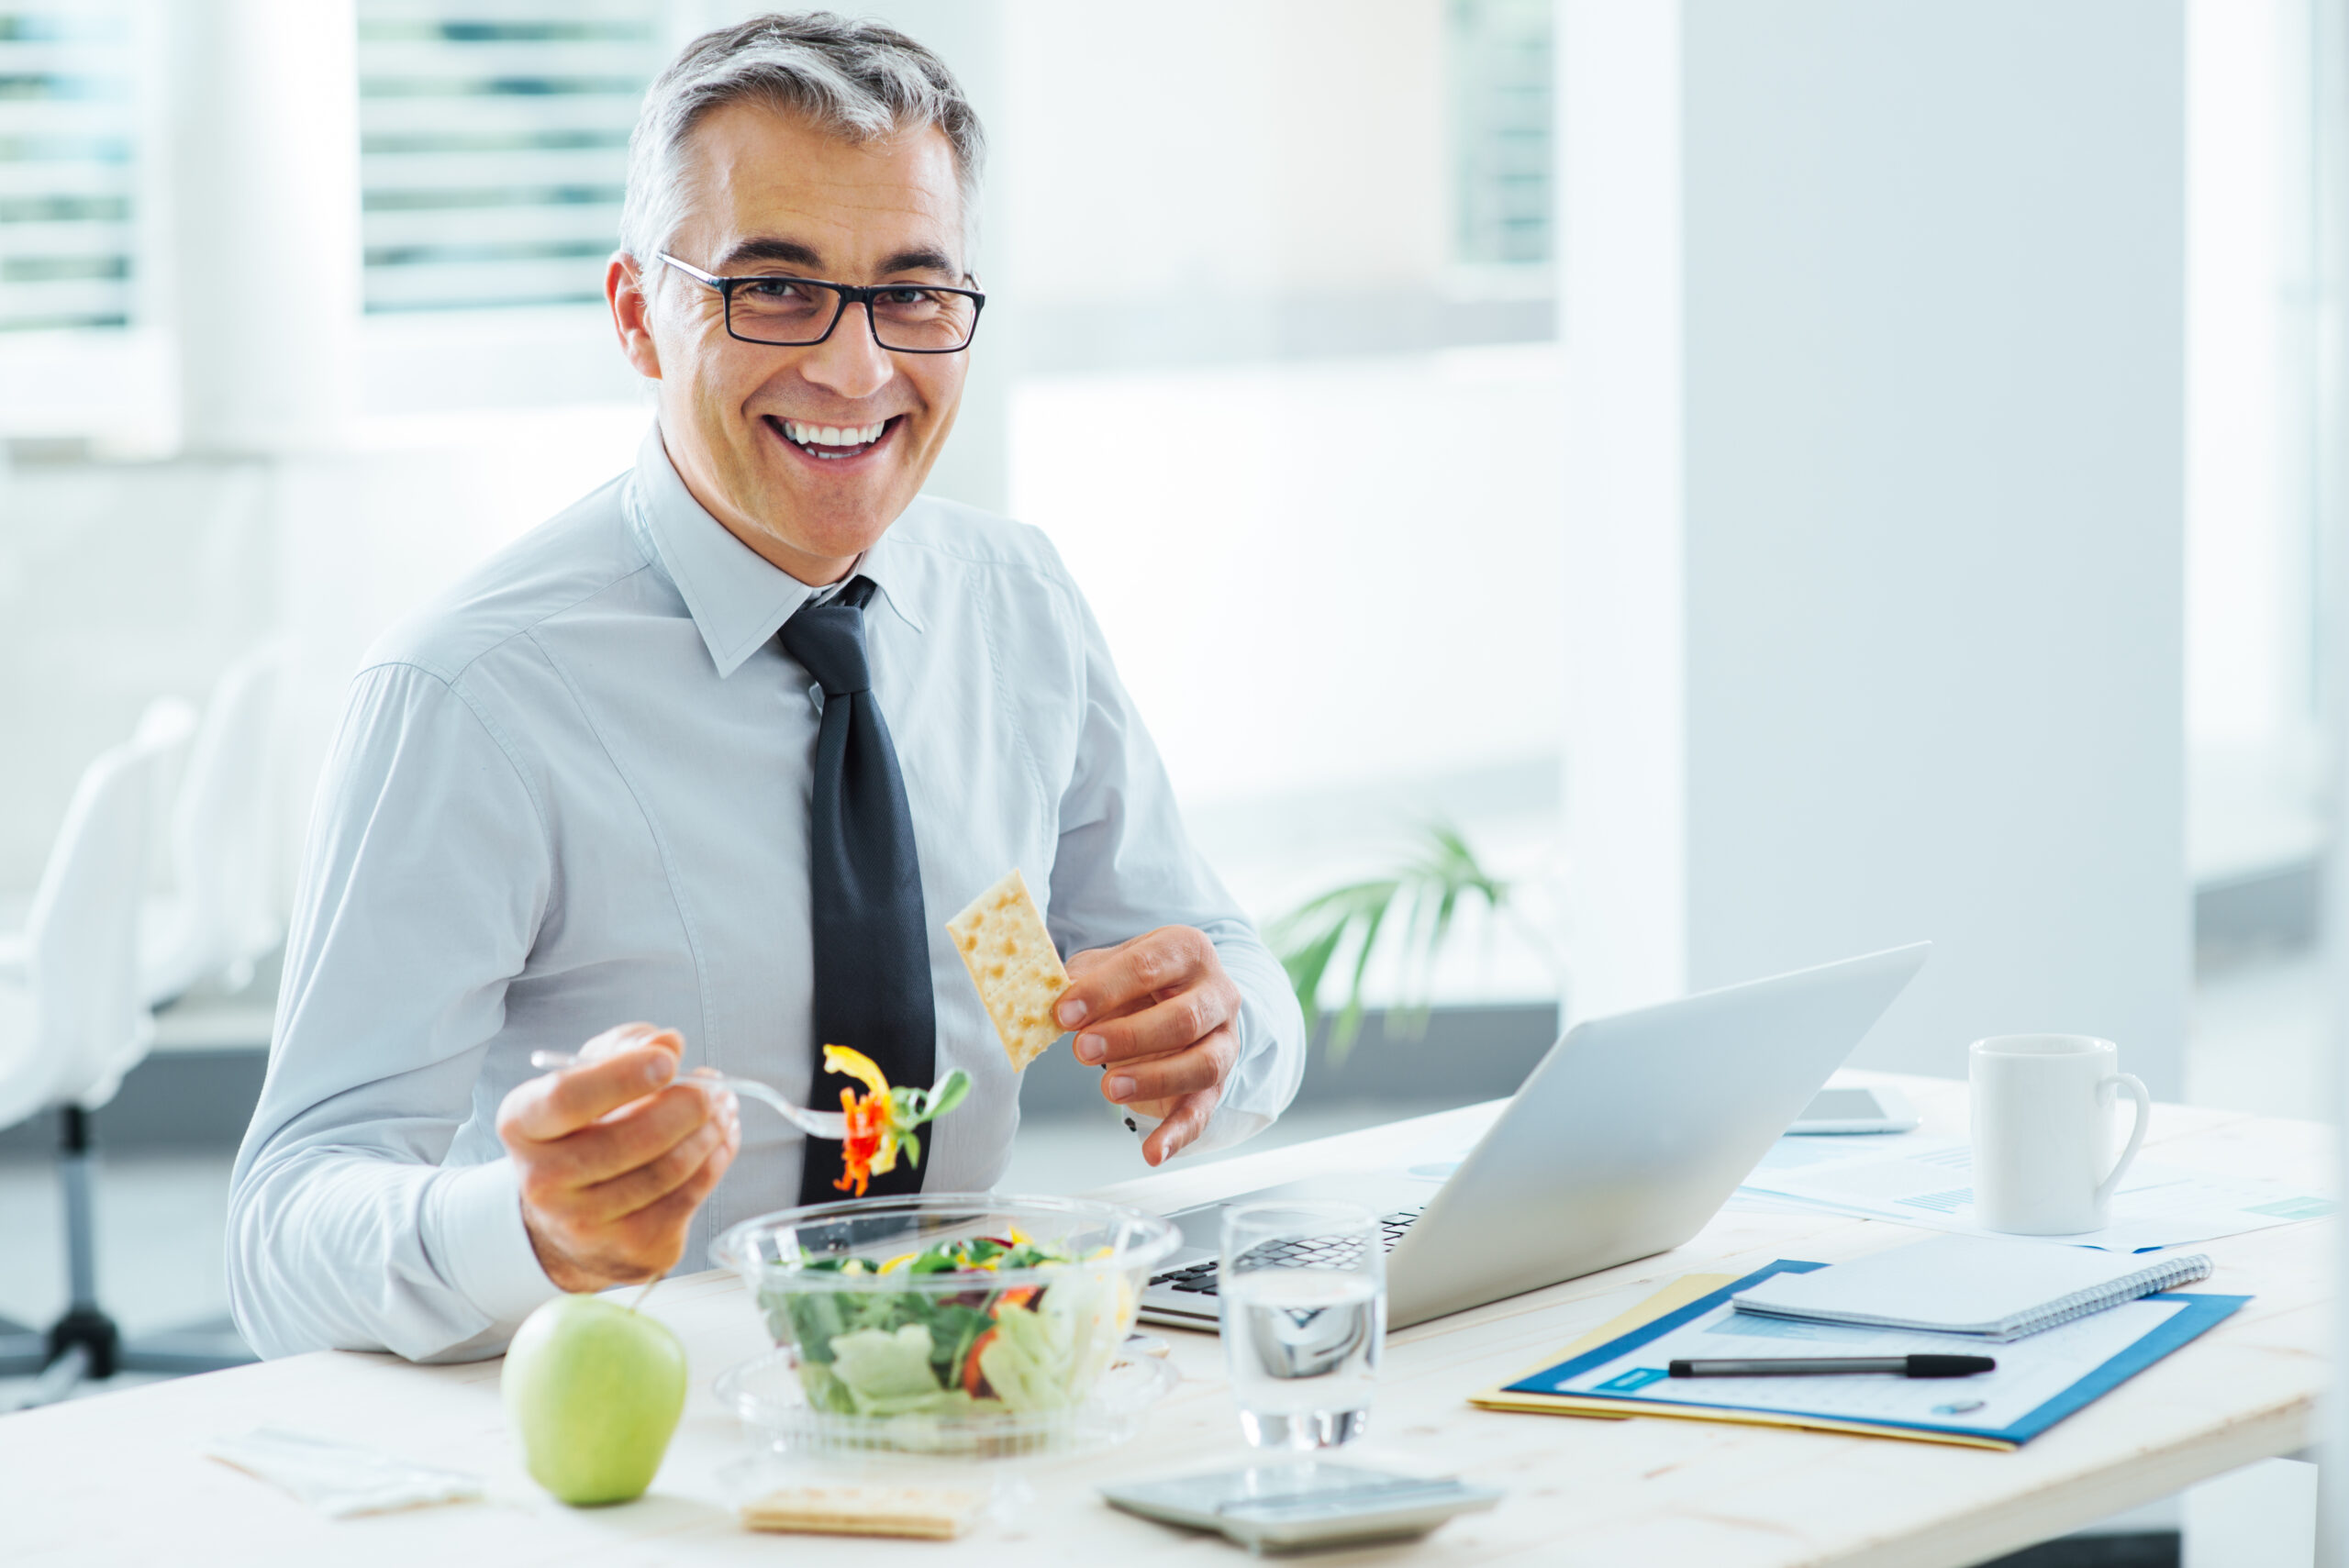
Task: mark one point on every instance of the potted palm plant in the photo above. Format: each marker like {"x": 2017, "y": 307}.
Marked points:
{"x": 1327, "y": 942}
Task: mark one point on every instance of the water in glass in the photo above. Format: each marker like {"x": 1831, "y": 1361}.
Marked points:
{"x": 1303, "y": 1291}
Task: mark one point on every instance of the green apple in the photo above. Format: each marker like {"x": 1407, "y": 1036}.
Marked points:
{"x": 593, "y": 1391}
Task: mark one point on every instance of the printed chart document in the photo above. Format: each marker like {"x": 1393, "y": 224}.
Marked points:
{"x": 1930, "y": 1182}
{"x": 2039, "y": 1380}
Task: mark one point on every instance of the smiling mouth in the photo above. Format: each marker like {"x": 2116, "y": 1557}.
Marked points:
{"x": 833, "y": 443}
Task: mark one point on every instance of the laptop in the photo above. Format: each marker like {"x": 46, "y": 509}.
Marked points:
{"x": 1627, "y": 1138}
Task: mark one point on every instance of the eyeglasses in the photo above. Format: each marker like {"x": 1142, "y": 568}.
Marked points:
{"x": 797, "y": 313}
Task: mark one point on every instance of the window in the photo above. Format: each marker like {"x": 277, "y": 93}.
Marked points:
{"x": 494, "y": 145}
{"x": 67, "y": 144}
{"x": 1500, "y": 116}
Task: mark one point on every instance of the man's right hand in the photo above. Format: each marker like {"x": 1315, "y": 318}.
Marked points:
{"x": 615, "y": 1156}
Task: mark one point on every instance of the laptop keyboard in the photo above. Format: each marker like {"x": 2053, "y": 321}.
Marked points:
{"x": 1200, "y": 1279}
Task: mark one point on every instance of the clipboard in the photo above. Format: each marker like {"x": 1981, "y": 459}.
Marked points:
{"x": 1692, "y": 1297}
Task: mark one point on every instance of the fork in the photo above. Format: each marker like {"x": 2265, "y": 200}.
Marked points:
{"x": 816, "y": 1123}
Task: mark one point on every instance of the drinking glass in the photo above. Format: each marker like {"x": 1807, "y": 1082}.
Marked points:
{"x": 1303, "y": 1294}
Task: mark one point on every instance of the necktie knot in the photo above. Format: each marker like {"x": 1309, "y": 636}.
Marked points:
{"x": 828, "y": 641}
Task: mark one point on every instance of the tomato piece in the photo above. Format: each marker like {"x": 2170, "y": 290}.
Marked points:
{"x": 974, "y": 1382}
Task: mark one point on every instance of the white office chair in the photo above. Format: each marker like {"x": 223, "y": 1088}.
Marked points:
{"x": 221, "y": 914}
{"x": 73, "y": 1023}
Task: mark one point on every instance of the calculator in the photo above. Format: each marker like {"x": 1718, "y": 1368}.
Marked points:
{"x": 1297, "y": 1507}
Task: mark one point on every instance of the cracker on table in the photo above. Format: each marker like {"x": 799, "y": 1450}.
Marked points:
{"x": 930, "y": 1513}
{"x": 1002, "y": 938}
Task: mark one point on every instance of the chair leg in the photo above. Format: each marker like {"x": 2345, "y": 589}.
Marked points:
{"x": 196, "y": 1347}
{"x": 60, "y": 1378}
{"x": 24, "y": 1350}
{"x": 85, "y": 1323}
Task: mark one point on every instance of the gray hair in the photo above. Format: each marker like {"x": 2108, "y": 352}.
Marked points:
{"x": 858, "y": 79}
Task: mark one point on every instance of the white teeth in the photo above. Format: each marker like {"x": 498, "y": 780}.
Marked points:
{"x": 833, "y": 435}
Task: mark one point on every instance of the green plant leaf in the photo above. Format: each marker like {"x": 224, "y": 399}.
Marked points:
{"x": 1421, "y": 898}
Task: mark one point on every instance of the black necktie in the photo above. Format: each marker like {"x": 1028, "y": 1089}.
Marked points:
{"x": 864, "y": 886}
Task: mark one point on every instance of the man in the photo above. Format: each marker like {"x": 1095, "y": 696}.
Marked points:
{"x": 722, "y": 747}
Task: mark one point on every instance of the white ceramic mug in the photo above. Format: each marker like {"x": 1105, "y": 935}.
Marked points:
{"x": 2043, "y": 1131}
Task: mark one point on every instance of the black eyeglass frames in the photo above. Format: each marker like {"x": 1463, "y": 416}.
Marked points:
{"x": 799, "y": 313}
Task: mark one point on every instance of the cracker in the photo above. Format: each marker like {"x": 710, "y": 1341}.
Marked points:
{"x": 930, "y": 1513}
{"x": 1010, "y": 956}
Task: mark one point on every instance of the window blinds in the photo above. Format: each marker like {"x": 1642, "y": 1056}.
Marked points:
{"x": 1501, "y": 75}
{"x": 67, "y": 144}
{"x": 494, "y": 145}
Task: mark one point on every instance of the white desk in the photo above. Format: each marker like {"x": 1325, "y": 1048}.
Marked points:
{"x": 116, "y": 1478}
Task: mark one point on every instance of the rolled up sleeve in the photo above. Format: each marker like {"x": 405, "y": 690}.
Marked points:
{"x": 1125, "y": 865}
{"x": 426, "y": 877}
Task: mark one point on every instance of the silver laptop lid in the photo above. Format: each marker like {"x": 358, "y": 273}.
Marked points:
{"x": 1633, "y": 1131}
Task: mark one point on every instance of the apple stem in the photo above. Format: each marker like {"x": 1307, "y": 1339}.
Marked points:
{"x": 646, "y": 1294}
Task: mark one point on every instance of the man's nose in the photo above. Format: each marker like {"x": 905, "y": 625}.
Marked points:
{"x": 850, "y": 362}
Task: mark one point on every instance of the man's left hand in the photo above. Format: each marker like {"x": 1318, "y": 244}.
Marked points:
{"x": 1158, "y": 1013}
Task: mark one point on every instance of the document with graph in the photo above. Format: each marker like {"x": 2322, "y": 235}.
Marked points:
{"x": 1928, "y": 1182}
{"x": 2038, "y": 1381}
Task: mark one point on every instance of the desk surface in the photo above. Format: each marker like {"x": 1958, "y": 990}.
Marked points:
{"x": 116, "y": 1478}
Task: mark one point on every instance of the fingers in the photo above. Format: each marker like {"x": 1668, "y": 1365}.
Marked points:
{"x": 628, "y": 1064}
{"x": 1202, "y": 1065}
{"x": 1177, "y": 1021}
{"x": 644, "y": 1185}
{"x": 652, "y": 1240}
{"x": 1104, "y": 982}
{"x": 617, "y": 1145}
{"x": 627, "y": 1037}
{"x": 613, "y": 1156}
{"x": 1182, "y": 1128}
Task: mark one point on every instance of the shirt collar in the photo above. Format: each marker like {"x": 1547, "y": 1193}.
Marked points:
{"x": 737, "y": 597}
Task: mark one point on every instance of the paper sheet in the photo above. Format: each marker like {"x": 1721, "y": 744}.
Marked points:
{"x": 1928, "y": 1182}
{"x": 336, "y": 1478}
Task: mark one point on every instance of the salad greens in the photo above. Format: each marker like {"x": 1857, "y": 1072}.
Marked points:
{"x": 971, "y": 1351}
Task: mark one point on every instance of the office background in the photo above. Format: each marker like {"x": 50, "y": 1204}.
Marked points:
{"x": 1781, "y": 479}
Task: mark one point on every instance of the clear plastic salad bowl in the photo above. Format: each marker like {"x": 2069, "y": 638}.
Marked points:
{"x": 948, "y": 1322}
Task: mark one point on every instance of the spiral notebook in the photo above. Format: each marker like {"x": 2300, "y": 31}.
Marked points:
{"x": 1970, "y": 1285}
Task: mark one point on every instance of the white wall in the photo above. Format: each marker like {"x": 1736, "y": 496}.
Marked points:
{"x": 1930, "y": 536}
{"x": 1331, "y": 588}
{"x": 1314, "y": 575}
{"x": 1224, "y": 146}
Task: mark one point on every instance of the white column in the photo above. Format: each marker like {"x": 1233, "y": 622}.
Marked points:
{"x": 1924, "y": 650}
{"x": 264, "y": 154}
{"x": 1618, "y": 312}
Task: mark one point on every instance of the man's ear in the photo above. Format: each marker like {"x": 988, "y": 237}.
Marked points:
{"x": 625, "y": 289}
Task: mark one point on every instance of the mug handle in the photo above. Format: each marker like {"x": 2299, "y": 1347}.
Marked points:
{"x": 2136, "y": 1132}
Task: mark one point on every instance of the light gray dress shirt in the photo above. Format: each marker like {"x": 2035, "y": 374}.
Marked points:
{"x": 572, "y": 792}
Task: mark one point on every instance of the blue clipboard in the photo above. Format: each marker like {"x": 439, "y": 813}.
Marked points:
{"x": 2200, "y": 1314}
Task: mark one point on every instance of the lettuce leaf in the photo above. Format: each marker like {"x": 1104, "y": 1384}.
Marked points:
{"x": 1045, "y": 1357}
{"x": 875, "y": 1365}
